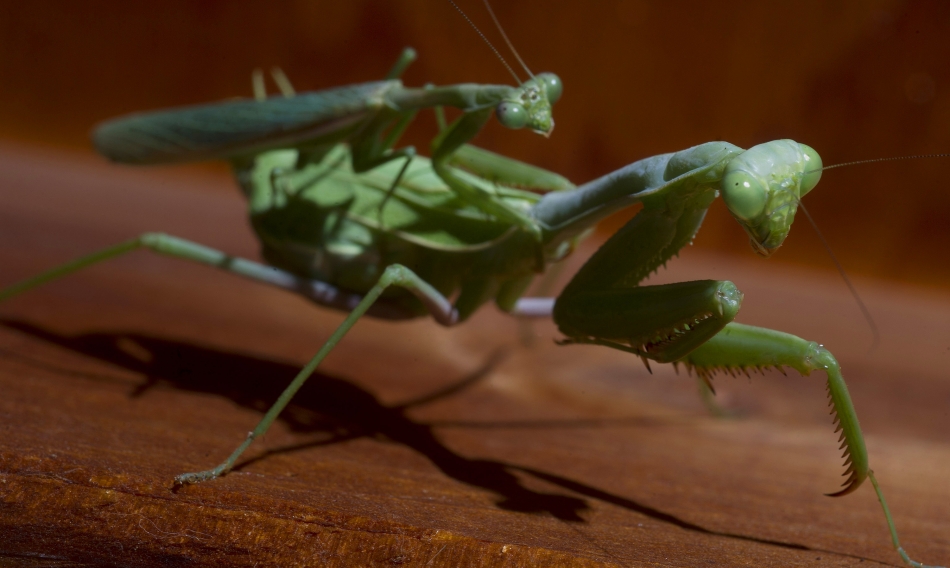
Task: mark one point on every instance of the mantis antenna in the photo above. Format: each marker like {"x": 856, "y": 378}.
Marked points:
{"x": 824, "y": 243}
{"x": 479, "y": 32}
{"x": 507, "y": 41}
{"x": 873, "y": 160}
{"x": 847, "y": 281}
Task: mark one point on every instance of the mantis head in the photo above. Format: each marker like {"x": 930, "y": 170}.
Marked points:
{"x": 530, "y": 104}
{"x": 762, "y": 188}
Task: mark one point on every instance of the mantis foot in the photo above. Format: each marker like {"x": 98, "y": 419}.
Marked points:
{"x": 224, "y": 467}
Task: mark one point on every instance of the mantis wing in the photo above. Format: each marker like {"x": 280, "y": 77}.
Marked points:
{"x": 235, "y": 128}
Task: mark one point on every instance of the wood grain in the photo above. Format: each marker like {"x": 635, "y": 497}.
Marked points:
{"x": 413, "y": 445}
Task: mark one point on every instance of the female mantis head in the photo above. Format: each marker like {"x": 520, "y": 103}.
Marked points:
{"x": 530, "y": 104}
{"x": 762, "y": 188}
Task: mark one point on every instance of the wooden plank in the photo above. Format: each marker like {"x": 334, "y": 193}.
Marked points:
{"x": 413, "y": 445}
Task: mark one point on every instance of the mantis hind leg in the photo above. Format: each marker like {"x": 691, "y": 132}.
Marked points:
{"x": 394, "y": 275}
{"x": 739, "y": 347}
{"x": 438, "y": 305}
{"x": 320, "y": 292}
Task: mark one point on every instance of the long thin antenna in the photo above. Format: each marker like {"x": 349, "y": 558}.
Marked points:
{"x": 844, "y": 276}
{"x": 871, "y": 161}
{"x": 507, "y": 41}
{"x": 824, "y": 243}
{"x": 479, "y": 32}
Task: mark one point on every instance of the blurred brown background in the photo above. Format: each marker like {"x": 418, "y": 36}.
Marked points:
{"x": 854, "y": 79}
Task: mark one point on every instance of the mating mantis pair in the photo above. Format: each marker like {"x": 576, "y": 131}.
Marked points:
{"x": 354, "y": 223}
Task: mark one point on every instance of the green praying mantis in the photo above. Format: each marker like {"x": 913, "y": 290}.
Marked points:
{"x": 353, "y": 223}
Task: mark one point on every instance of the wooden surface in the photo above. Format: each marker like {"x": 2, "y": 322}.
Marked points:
{"x": 417, "y": 446}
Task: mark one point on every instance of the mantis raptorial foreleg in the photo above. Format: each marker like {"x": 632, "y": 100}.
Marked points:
{"x": 457, "y": 135}
{"x": 741, "y": 347}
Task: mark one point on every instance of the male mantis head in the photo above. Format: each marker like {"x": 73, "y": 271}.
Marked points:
{"x": 762, "y": 188}
{"x": 530, "y": 104}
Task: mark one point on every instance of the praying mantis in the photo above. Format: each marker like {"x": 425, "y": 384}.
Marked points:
{"x": 267, "y": 162}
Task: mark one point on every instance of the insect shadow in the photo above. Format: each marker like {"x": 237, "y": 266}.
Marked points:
{"x": 345, "y": 411}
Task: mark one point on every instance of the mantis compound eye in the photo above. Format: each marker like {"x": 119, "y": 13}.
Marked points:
{"x": 512, "y": 115}
{"x": 812, "y": 163}
{"x": 552, "y": 85}
{"x": 744, "y": 195}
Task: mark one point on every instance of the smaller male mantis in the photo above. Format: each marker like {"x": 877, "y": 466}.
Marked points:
{"x": 370, "y": 117}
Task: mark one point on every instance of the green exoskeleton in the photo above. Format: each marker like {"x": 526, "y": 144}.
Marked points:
{"x": 346, "y": 225}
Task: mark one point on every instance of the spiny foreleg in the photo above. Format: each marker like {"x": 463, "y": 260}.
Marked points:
{"x": 740, "y": 347}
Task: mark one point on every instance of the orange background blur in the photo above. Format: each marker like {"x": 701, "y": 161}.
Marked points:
{"x": 853, "y": 79}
